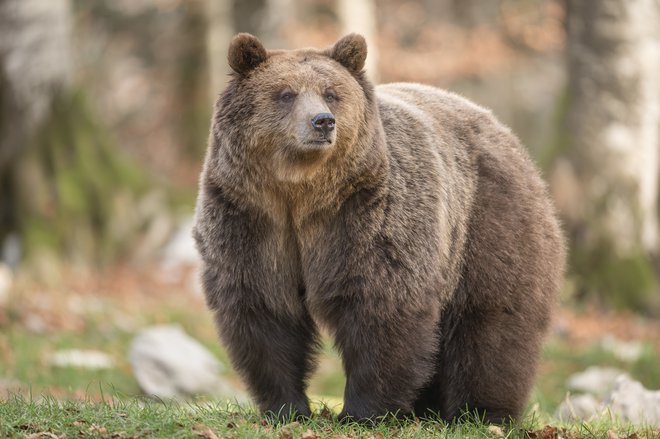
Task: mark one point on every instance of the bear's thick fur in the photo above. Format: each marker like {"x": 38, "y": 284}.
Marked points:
{"x": 404, "y": 219}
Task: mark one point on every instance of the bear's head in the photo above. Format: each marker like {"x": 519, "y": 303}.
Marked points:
{"x": 291, "y": 111}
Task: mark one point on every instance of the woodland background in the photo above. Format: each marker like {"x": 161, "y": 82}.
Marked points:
{"x": 104, "y": 115}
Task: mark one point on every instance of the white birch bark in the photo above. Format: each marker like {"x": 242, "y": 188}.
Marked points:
{"x": 219, "y": 32}
{"x": 359, "y": 16}
{"x": 614, "y": 118}
{"x": 35, "y": 61}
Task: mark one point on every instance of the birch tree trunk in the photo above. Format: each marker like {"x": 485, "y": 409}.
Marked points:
{"x": 61, "y": 178}
{"x": 35, "y": 59}
{"x": 220, "y": 29}
{"x": 262, "y": 18}
{"x": 359, "y": 16}
{"x": 609, "y": 175}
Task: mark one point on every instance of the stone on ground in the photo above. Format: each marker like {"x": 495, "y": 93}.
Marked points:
{"x": 168, "y": 363}
{"x": 598, "y": 381}
{"x": 630, "y": 401}
{"x": 82, "y": 358}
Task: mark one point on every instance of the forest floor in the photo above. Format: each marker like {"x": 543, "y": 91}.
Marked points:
{"x": 104, "y": 311}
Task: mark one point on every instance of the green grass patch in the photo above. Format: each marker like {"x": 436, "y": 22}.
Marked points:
{"x": 117, "y": 418}
{"x": 102, "y": 403}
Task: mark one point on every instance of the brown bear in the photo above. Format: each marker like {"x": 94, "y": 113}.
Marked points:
{"x": 405, "y": 220}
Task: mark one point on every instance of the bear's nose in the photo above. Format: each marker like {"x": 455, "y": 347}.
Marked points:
{"x": 324, "y": 122}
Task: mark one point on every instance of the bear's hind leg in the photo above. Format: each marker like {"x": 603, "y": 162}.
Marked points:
{"x": 387, "y": 358}
{"x": 488, "y": 363}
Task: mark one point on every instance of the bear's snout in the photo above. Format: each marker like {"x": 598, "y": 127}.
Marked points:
{"x": 324, "y": 122}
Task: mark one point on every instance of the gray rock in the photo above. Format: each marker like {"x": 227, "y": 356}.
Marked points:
{"x": 180, "y": 249}
{"x": 170, "y": 364}
{"x": 12, "y": 251}
{"x": 628, "y": 351}
{"x": 82, "y": 358}
{"x": 180, "y": 259}
{"x": 598, "y": 381}
{"x": 579, "y": 408}
{"x": 630, "y": 401}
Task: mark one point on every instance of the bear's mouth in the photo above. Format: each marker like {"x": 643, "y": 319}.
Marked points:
{"x": 318, "y": 142}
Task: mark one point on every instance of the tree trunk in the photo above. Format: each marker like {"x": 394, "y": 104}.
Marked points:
{"x": 35, "y": 59}
{"x": 359, "y": 16}
{"x": 34, "y": 64}
{"x": 219, "y": 31}
{"x": 62, "y": 180}
{"x": 609, "y": 174}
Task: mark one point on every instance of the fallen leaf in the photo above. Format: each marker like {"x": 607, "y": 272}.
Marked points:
{"x": 97, "y": 429}
{"x": 42, "y": 434}
{"x": 204, "y": 431}
{"x": 612, "y": 435}
{"x": 548, "y": 432}
{"x": 27, "y": 427}
{"x": 326, "y": 413}
{"x": 309, "y": 434}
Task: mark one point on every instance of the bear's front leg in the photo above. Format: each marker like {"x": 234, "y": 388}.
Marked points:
{"x": 274, "y": 356}
{"x": 251, "y": 283}
{"x": 388, "y": 351}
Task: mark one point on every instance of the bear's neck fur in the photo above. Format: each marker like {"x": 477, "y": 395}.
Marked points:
{"x": 362, "y": 164}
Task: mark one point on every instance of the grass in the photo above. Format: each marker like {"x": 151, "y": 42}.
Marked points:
{"x": 65, "y": 401}
{"x": 133, "y": 418}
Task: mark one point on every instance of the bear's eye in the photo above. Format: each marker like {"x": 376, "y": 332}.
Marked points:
{"x": 330, "y": 97}
{"x": 287, "y": 96}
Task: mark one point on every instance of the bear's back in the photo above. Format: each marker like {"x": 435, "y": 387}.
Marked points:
{"x": 456, "y": 121}
{"x": 490, "y": 191}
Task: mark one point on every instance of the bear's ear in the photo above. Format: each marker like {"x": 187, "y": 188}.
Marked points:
{"x": 245, "y": 53}
{"x": 350, "y": 52}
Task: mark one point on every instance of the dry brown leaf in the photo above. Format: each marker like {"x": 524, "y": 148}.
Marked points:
{"x": 43, "y": 434}
{"x": 309, "y": 434}
{"x": 326, "y": 413}
{"x": 97, "y": 429}
{"x": 204, "y": 431}
{"x": 548, "y": 432}
{"x": 27, "y": 427}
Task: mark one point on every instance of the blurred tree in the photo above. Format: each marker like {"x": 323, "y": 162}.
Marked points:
{"x": 606, "y": 182}
{"x": 360, "y": 16}
{"x": 219, "y": 32}
{"x": 263, "y": 18}
{"x": 34, "y": 66}
{"x": 60, "y": 176}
